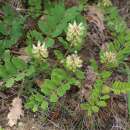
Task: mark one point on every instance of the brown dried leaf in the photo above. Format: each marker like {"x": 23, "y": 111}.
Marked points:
{"x": 22, "y": 54}
{"x": 39, "y": 81}
{"x": 89, "y": 81}
{"x": 95, "y": 16}
{"x": 1, "y": 14}
{"x": 70, "y": 3}
{"x": 15, "y": 112}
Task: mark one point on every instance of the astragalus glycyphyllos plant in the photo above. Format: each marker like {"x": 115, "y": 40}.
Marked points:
{"x": 117, "y": 51}
{"x": 75, "y": 34}
{"x": 62, "y": 29}
{"x": 114, "y": 55}
{"x": 11, "y": 27}
{"x": 14, "y": 70}
{"x": 101, "y": 90}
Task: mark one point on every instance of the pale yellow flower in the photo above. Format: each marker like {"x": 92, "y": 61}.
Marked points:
{"x": 109, "y": 57}
{"x": 40, "y": 51}
{"x": 75, "y": 33}
{"x": 73, "y": 62}
{"x": 107, "y": 3}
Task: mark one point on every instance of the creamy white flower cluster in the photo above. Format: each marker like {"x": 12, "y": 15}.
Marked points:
{"x": 40, "y": 51}
{"x": 73, "y": 62}
{"x": 75, "y": 34}
{"x": 107, "y": 3}
{"x": 109, "y": 57}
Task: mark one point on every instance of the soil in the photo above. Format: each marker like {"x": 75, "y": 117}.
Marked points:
{"x": 114, "y": 117}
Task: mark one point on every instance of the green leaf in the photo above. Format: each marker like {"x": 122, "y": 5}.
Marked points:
{"x": 80, "y": 74}
{"x": 19, "y": 77}
{"x": 117, "y": 92}
{"x": 106, "y": 90}
{"x": 18, "y": 63}
{"x": 30, "y": 71}
{"x": 58, "y": 75}
{"x": 119, "y": 87}
{"x": 28, "y": 49}
{"x": 51, "y": 20}
{"x": 3, "y": 72}
{"x": 53, "y": 98}
{"x": 44, "y": 105}
{"x": 44, "y": 27}
{"x": 30, "y": 102}
{"x": 71, "y": 13}
{"x": 73, "y": 81}
{"x": 35, "y": 7}
{"x": 62, "y": 90}
{"x": 58, "y": 11}
{"x": 94, "y": 65}
{"x": 10, "y": 68}
{"x": 38, "y": 97}
{"x": 9, "y": 82}
{"x": 59, "y": 55}
{"x": 59, "y": 29}
{"x": 105, "y": 74}
{"x": 66, "y": 87}
{"x": 9, "y": 13}
{"x": 16, "y": 30}
{"x": 44, "y": 67}
{"x": 2, "y": 28}
{"x": 49, "y": 42}
{"x": 37, "y": 35}
{"x": 105, "y": 97}
{"x": 102, "y": 104}
{"x": 63, "y": 42}
{"x": 95, "y": 109}
{"x": 35, "y": 108}
{"x": 47, "y": 87}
